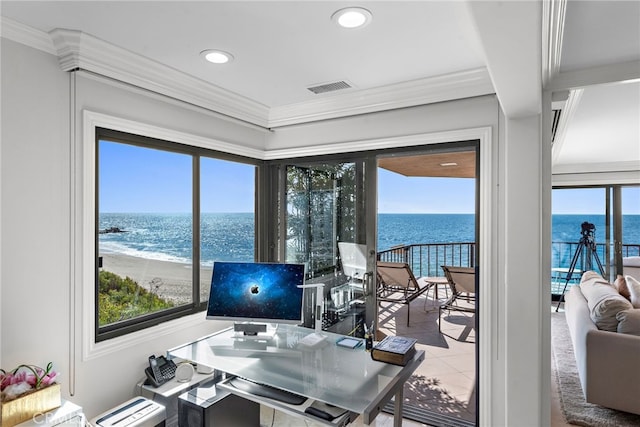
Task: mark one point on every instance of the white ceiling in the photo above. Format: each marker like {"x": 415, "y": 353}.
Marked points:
{"x": 283, "y": 47}
{"x": 280, "y": 47}
{"x": 604, "y": 128}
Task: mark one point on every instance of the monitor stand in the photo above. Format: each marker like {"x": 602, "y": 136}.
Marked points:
{"x": 252, "y": 331}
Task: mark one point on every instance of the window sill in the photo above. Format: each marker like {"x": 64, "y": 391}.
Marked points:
{"x": 93, "y": 350}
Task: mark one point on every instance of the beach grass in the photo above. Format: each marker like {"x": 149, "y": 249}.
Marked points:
{"x": 169, "y": 281}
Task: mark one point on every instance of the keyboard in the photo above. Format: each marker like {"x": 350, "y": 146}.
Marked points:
{"x": 267, "y": 391}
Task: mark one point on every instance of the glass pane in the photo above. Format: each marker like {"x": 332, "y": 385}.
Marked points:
{"x": 630, "y": 221}
{"x": 227, "y": 225}
{"x": 578, "y": 235}
{"x": 145, "y": 231}
{"x": 420, "y": 223}
{"x": 324, "y": 211}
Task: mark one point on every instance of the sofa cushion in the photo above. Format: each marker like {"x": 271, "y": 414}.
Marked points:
{"x": 634, "y": 290}
{"x": 621, "y": 286}
{"x": 629, "y": 321}
{"x": 603, "y": 300}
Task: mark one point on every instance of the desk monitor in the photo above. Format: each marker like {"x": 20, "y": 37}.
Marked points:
{"x": 255, "y": 293}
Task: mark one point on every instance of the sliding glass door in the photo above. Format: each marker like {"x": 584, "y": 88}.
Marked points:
{"x": 607, "y": 215}
{"x": 323, "y": 224}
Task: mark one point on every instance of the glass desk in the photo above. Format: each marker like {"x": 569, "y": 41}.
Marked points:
{"x": 326, "y": 372}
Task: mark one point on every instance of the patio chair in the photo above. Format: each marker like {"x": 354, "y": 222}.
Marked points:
{"x": 397, "y": 284}
{"x": 462, "y": 282}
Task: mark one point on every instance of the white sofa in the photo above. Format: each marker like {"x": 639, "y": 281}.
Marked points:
{"x": 631, "y": 266}
{"x": 608, "y": 361}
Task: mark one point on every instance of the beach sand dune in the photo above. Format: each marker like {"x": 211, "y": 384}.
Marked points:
{"x": 169, "y": 280}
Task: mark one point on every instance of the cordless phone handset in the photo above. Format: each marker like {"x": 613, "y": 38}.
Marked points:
{"x": 155, "y": 369}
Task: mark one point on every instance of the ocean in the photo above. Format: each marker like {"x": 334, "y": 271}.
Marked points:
{"x": 229, "y": 236}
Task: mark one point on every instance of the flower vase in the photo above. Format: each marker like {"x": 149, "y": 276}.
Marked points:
{"x": 28, "y": 405}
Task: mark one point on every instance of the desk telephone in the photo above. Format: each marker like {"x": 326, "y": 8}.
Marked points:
{"x": 160, "y": 370}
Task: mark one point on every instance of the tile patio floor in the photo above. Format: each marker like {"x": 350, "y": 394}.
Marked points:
{"x": 445, "y": 381}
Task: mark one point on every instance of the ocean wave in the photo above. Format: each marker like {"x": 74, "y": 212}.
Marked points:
{"x": 119, "y": 248}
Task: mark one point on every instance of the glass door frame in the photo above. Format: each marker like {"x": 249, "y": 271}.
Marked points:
{"x": 272, "y": 208}
{"x": 271, "y": 196}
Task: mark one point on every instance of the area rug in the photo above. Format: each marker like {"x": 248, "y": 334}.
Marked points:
{"x": 574, "y": 407}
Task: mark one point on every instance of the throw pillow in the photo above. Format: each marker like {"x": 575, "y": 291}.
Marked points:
{"x": 603, "y": 300}
{"x": 634, "y": 290}
{"x": 621, "y": 286}
{"x": 629, "y": 321}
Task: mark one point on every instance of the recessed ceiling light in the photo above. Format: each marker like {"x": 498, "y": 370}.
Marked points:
{"x": 448, "y": 164}
{"x": 352, "y": 17}
{"x": 217, "y": 56}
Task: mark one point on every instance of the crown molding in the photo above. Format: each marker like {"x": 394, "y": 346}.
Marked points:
{"x": 553, "y": 15}
{"x": 26, "y": 35}
{"x": 568, "y": 111}
{"x": 595, "y": 178}
{"x": 78, "y": 50}
{"x": 603, "y": 74}
{"x": 630, "y": 166}
{"x": 459, "y": 85}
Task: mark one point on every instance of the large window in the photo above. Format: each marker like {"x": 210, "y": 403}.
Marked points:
{"x": 163, "y": 208}
{"x": 593, "y": 227}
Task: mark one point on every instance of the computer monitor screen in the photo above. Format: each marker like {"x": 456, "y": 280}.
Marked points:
{"x": 256, "y": 292}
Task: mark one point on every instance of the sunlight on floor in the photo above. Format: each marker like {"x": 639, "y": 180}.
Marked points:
{"x": 445, "y": 382}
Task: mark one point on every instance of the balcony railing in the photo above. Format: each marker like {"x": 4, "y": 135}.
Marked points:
{"x": 425, "y": 259}
{"x": 562, "y": 252}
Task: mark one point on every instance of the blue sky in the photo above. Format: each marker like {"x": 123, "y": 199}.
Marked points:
{"x": 400, "y": 194}
{"x": 592, "y": 201}
{"x": 162, "y": 183}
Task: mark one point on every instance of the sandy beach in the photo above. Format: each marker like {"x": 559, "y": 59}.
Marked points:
{"x": 171, "y": 280}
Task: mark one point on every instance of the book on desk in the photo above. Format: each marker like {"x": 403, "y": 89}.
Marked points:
{"x": 394, "y": 350}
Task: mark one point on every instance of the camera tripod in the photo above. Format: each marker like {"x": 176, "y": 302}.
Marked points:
{"x": 588, "y": 245}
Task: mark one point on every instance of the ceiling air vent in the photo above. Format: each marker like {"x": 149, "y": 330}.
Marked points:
{"x": 329, "y": 87}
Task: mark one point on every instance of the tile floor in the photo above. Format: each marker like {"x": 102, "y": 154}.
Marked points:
{"x": 445, "y": 382}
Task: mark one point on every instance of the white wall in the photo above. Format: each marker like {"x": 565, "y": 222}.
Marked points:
{"x": 42, "y": 314}
{"x": 38, "y": 221}
{"x": 523, "y": 283}
{"x": 35, "y": 214}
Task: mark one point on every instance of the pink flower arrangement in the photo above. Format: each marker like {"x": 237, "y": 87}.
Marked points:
{"x": 23, "y": 379}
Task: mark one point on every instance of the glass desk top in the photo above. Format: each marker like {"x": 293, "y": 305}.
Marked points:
{"x": 339, "y": 376}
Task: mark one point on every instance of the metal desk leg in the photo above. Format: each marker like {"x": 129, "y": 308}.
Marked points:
{"x": 397, "y": 408}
